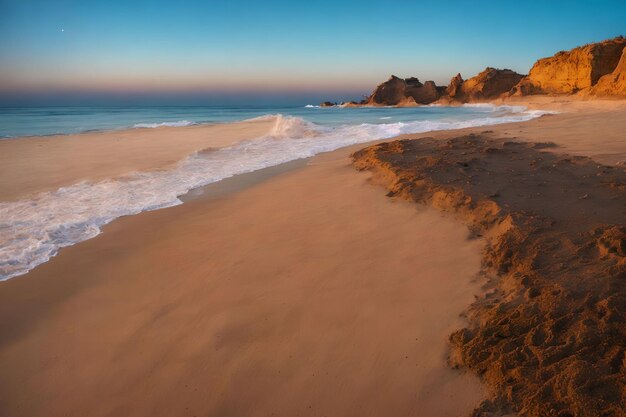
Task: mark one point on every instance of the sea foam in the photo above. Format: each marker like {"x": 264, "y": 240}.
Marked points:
{"x": 179, "y": 123}
{"x": 34, "y": 230}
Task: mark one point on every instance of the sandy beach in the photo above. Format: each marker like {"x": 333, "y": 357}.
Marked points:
{"x": 33, "y": 164}
{"x": 312, "y": 209}
{"x": 307, "y": 294}
{"x": 299, "y": 290}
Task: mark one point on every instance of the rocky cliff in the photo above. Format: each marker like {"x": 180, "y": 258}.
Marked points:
{"x": 397, "y": 91}
{"x": 491, "y": 83}
{"x": 569, "y": 72}
{"x": 454, "y": 88}
{"x": 614, "y": 83}
{"x": 597, "y": 69}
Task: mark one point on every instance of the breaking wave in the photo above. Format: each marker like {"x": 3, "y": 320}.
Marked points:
{"x": 33, "y": 230}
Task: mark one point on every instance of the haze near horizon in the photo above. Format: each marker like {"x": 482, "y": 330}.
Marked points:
{"x": 160, "y": 52}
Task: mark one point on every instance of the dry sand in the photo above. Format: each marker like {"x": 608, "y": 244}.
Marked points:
{"x": 278, "y": 293}
{"x": 308, "y": 294}
{"x": 548, "y": 338}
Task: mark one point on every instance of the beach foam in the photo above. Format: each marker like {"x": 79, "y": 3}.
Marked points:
{"x": 179, "y": 123}
{"x": 34, "y": 230}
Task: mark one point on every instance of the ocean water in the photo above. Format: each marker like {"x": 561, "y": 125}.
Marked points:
{"x": 33, "y": 230}
{"x": 40, "y": 121}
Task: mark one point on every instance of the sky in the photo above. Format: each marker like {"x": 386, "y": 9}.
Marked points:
{"x": 226, "y": 51}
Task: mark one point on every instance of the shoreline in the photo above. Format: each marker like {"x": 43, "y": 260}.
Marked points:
{"x": 91, "y": 185}
{"x": 615, "y": 151}
{"x": 34, "y": 164}
{"x": 257, "y": 288}
{"x": 148, "y": 286}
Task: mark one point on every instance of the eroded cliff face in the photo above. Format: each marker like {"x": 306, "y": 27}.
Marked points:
{"x": 613, "y": 84}
{"x": 597, "y": 69}
{"x": 569, "y": 72}
{"x": 491, "y": 83}
{"x": 397, "y": 91}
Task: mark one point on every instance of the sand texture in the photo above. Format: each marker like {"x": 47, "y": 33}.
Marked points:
{"x": 303, "y": 295}
{"x": 548, "y": 336}
{"x": 300, "y": 290}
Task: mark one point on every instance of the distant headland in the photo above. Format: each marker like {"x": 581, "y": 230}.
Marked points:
{"x": 596, "y": 69}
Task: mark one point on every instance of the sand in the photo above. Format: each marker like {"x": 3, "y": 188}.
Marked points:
{"x": 548, "y": 336}
{"x": 298, "y": 290}
{"x": 306, "y": 294}
{"x": 35, "y": 164}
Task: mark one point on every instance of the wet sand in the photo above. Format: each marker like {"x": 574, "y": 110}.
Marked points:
{"x": 34, "y": 164}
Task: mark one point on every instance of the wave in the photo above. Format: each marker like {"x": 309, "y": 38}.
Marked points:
{"x": 179, "y": 123}
{"x": 32, "y": 231}
{"x": 488, "y": 107}
{"x": 263, "y": 118}
{"x": 311, "y": 106}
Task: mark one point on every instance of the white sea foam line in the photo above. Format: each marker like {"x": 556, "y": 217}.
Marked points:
{"x": 179, "y": 123}
{"x": 32, "y": 231}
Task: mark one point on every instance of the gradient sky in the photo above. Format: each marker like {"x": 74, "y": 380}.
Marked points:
{"x": 191, "y": 52}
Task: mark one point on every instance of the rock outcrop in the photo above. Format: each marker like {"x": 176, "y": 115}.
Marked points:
{"x": 569, "y": 72}
{"x": 397, "y": 91}
{"x": 613, "y": 84}
{"x": 491, "y": 83}
{"x": 454, "y": 87}
{"x": 597, "y": 69}
{"x": 426, "y": 94}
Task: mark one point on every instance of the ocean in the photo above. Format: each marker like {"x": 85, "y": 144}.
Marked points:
{"x": 43, "y": 121}
{"x": 33, "y": 230}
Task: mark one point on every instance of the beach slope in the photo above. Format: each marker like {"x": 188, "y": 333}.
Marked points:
{"x": 304, "y": 294}
{"x": 547, "y": 337}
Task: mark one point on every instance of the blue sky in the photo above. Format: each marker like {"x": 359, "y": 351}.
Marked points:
{"x": 197, "y": 50}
